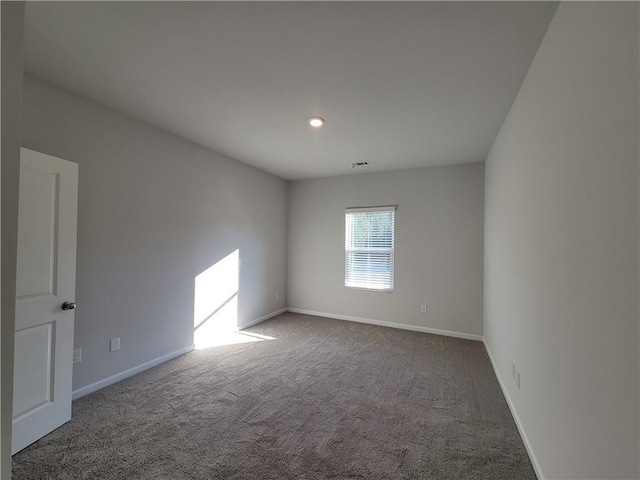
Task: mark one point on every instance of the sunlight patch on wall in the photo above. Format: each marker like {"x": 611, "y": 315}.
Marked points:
{"x": 215, "y": 312}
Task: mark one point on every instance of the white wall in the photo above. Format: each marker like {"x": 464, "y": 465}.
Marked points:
{"x": 12, "y": 14}
{"x": 561, "y": 246}
{"x": 439, "y": 246}
{"x": 154, "y": 211}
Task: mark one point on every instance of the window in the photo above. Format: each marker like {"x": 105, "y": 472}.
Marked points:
{"x": 369, "y": 242}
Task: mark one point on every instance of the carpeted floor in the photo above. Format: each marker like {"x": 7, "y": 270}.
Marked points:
{"x": 324, "y": 399}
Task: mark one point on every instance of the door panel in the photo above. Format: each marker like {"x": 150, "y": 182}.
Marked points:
{"x": 37, "y": 233}
{"x": 47, "y": 216}
{"x": 34, "y": 349}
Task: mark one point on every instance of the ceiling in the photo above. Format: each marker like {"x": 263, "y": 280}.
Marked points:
{"x": 401, "y": 84}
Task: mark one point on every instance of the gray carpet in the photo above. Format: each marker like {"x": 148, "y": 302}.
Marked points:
{"x": 325, "y": 399}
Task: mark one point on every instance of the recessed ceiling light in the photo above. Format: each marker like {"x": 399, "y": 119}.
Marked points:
{"x": 316, "y": 121}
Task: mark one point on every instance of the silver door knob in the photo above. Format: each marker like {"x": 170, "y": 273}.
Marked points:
{"x": 68, "y": 306}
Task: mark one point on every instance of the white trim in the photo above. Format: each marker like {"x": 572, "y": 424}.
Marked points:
{"x": 384, "y": 208}
{"x": 81, "y": 392}
{"x": 514, "y": 414}
{"x": 365, "y": 289}
{"x": 251, "y": 323}
{"x": 105, "y": 382}
{"x": 93, "y": 387}
{"x": 382, "y": 323}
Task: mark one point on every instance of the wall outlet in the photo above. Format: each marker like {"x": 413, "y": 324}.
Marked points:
{"x": 114, "y": 344}
{"x": 77, "y": 355}
{"x": 277, "y": 295}
{"x": 518, "y": 380}
{"x": 513, "y": 371}
{"x": 423, "y": 308}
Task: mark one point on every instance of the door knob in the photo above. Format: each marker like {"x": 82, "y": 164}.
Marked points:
{"x": 68, "y": 306}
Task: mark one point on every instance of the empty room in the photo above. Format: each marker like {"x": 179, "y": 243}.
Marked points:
{"x": 320, "y": 240}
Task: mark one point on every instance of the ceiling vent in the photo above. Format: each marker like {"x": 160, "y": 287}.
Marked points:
{"x": 360, "y": 164}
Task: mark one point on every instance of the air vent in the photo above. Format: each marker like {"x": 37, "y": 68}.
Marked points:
{"x": 360, "y": 164}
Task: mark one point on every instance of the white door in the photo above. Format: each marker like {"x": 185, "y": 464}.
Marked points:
{"x": 45, "y": 280}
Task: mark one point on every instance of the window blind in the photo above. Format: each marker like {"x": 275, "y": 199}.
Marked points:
{"x": 369, "y": 247}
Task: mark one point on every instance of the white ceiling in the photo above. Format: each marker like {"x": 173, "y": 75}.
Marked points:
{"x": 401, "y": 85}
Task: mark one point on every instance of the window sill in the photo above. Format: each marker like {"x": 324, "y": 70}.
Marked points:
{"x": 379, "y": 290}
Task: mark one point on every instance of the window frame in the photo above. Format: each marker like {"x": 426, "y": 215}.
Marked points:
{"x": 354, "y": 210}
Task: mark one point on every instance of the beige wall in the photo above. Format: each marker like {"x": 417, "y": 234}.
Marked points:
{"x": 561, "y": 246}
{"x": 438, "y": 257}
{"x": 12, "y": 14}
{"x": 154, "y": 211}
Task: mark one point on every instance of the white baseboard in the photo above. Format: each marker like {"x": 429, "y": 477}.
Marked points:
{"x": 251, "y": 323}
{"x": 382, "y": 323}
{"x": 514, "y": 414}
{"x": 81, "y": 392}
{"x": 93, "y": 387}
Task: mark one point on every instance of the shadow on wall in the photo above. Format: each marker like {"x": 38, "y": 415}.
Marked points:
{"x": 215, "y": 312}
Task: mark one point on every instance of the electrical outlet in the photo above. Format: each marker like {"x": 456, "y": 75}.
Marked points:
{"x": 423, "y": 308}
{"x": 513, "y": 371}
{"x": 77, "y": 355}
{"x": 518, "y": 380}
{"x": 277, "y": 295}
{"x": 114, "y": 344}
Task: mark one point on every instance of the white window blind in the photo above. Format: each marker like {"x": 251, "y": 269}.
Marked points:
{"x": 369, "y": 248}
